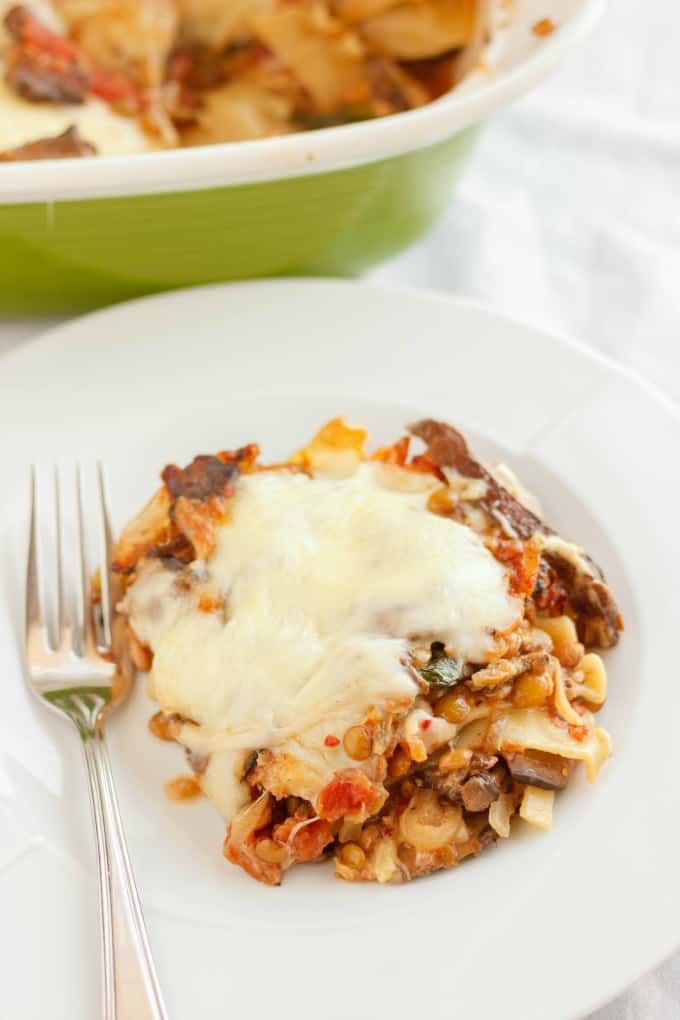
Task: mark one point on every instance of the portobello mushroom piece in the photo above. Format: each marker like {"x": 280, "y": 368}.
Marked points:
{"x": 39, "y": 80}
{"x": 479, "y": 792}
{"x": 475, "y": 786}
{"x": 68, "y": 145}
{"x": 205, "y": 477}
{"x": 447, "y": 448}
{"x": 590, "y": 600}
{"x": 539, "y": 768}
{"x": 598, "y": 620}
{"x": 40, "y": 73}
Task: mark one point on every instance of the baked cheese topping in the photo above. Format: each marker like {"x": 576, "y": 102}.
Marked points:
{"x": 111, "y": 133}
{"x": 325, "y": 583}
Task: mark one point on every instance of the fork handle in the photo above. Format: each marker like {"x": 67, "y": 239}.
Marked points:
{"x": 130, "y": 988}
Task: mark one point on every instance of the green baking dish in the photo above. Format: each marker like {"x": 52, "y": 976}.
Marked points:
{"x": 79, "y": 233}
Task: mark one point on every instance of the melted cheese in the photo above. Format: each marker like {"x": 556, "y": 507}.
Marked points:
{"x": 326, "y": 583}
{"x": 22, "y": 121}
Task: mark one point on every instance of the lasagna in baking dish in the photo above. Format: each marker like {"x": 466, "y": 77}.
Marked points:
{"x": 379, "y": 658}
{"x": 87, "y": 77}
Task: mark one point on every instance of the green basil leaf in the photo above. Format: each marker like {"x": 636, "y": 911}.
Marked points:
{"x": 442, "y": 671}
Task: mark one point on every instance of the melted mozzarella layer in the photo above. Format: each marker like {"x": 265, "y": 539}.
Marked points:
{"x": 111, "y": 133}
{"x": 326, "y": 582}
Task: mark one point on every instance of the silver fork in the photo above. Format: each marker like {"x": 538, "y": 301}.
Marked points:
{"x": 70, "y": 670}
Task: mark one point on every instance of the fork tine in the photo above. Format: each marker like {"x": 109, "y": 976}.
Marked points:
{"x": 61, "y": 615}
{"x": 82, "y": 617}
{"x": 34, "y": 615}
{"x": 107, "y": 532}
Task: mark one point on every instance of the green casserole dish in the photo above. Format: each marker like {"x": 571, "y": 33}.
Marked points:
{"x": 75, "y": 234}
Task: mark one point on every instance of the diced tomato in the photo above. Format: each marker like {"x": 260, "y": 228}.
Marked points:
{"x": 331, "y": 741}
{"x": 309, "y": 840}
{"x": 114, "y": 87}
{"x": 349, "y": 792}
{"x": 44, "y": 39}
{"x": 281, "y": 832}
{"x": 395, "y": 454}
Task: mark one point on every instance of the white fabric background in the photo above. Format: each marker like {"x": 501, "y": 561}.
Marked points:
{"x": 569, "y": 218}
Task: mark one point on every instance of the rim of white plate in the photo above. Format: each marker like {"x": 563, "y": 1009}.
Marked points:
{"x": 658, "y": 940}
{"x": 514, "y": 62}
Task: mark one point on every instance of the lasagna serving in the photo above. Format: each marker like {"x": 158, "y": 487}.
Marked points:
{"x": 81, "y": 77}
{"x": 376, "y": 657}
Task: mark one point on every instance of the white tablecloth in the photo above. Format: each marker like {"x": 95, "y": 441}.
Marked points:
{"x": 569, "y": 218}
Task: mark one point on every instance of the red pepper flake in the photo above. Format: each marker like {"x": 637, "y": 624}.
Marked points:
{"x": 425, "y": 724}
{"x": 543, "y": 27}
{"x": 331, "y": 741}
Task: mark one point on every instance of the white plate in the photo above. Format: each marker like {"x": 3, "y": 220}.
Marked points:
{"x": 543, "y": 927}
